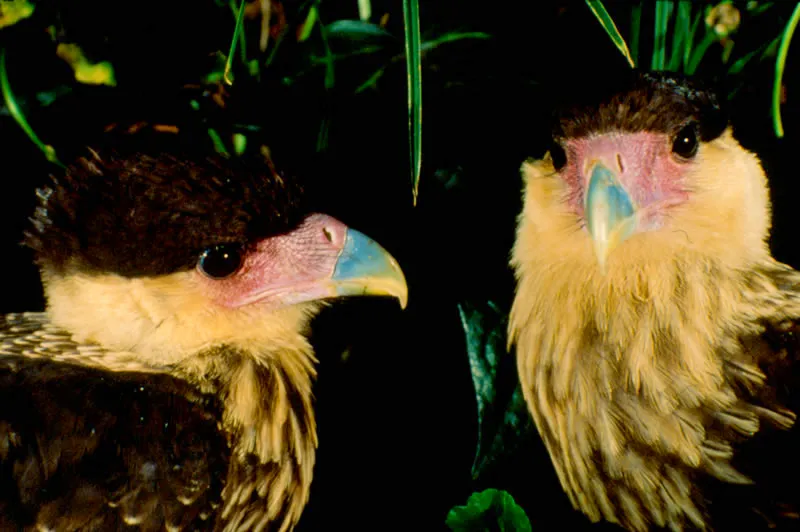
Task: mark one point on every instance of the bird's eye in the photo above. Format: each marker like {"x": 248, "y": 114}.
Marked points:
{"x": 685, "y": 143}
{"x": 221, "y": 261}
{"x": 558, "y": 155}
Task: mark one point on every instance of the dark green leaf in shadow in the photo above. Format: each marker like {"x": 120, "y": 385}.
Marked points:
{"x": 414, "y": 70}
{"x": 503, "y": 418}
{"x": 636, "y": 29}
{"x": 357, "y": 30}
{"x": 489, "y": 510}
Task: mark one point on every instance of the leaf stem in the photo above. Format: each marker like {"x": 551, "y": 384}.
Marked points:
{"x": 16, "y": 113}
{"x": 780, "y": 64}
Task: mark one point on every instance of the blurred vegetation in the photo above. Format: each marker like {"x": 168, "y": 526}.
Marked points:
{"x": 333, "y": 92}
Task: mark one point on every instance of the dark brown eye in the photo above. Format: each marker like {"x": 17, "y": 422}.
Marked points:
{"x": 558, "y": 155}
{"x": 685, "y": 143}
{"x": 221, "y": 261}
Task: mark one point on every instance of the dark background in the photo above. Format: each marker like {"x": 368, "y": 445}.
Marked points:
{"x": 395, "y": 398}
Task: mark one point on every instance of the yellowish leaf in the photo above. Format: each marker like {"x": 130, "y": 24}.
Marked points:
{"x": 12, "y": 11}
{"x": 101, "y": 73}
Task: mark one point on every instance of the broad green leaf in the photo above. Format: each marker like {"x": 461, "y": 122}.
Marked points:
{"x": 503, "y": 418}
{"x": 12, "y": 11}
{"x": 357, "y": 30}
{"x": 414, "y": 70}
{"x": 237, "y": 39}
{"x": 489, "y": 511}
{"x": 16, "y": 112}
{"x": 101, "y": 73}
{"x": 780, "y": 65}
{"x": 607, "y": 22}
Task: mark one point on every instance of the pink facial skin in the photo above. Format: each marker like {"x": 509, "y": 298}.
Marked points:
{"x": 284, "y": 269}
{"x": 645, "y": 166}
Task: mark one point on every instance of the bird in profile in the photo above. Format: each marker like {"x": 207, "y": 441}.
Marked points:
{"x": 168, "y": 383}
{"x": 656, "y": 336}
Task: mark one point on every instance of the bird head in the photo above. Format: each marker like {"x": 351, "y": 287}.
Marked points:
{"x": 165, "y": 256}
{"x": 644, "y": 166}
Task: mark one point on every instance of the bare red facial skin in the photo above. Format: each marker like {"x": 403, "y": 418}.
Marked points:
{"x": 284, "y": 269}
{"x": 651, "y": 174}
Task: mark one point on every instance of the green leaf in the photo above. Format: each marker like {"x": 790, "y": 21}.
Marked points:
{"x": 101, "y": 73}
{"x": 503, "y": 419}
{"x": 663, "y": 13}
{"x": 371, "y": 81}
{"x": 364, "y": 9}
{"x": 12, "y": 11}
{"x": 780, "y": 64}
{"x": 452, "y": 36}
{"x": 16, "y": 113}
{"x": 357, "y": 30}
{"x": 238, "y": 38}
{"x": 308, "y": 24}
{"x": 239, "y": 143}
{"x": 219, "y": 146}
{"x": 636, "y": 26}
{"x": 697, "y": 55}
{"x": 489, "y": 510}
{"x": 414, "y": 70}
{"x": 607, "y": 22}
{"x": 329, "y": 59}
{"x": 680, "y": 36}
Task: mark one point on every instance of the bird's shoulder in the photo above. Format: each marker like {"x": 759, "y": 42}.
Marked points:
{"x": 770, "y": 343}
{"x": 90, "y": 448}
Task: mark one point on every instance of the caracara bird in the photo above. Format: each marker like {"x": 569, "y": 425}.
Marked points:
{"x": 656, "y": 336}
{"x": 168, "y": 385}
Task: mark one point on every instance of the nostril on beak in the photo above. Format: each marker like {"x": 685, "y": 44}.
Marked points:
{"x": 328, "y": 234}
{"x": 619, "y": 163}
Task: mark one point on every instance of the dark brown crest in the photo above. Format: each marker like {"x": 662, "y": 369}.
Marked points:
{"x": 136, "y": 213}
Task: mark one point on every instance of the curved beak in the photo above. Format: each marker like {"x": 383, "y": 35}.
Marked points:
{"x": 610, "y": 214}
{"x": 365, "y": 268}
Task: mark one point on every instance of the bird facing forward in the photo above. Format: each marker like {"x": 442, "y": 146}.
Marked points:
{"x": 168, "y": 385}
{"x": 656, "y": 336}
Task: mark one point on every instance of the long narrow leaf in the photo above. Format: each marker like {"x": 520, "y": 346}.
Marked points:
{"x": 636, "y": 30}
{"x": 680, "y": 35}
{"x": 663, "y": 12}
{"x": 697, "y": 55}
{"x": 414, "y": 70}
{"x": 16, "y": 113}
{"x": 607, "y": 22}
{"x": 330, "y": 78}
{"x": 780, "y": 64}
{"x": 227, "y": 74}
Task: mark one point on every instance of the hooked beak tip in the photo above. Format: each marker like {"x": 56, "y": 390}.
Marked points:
{"x": 366, "y": 268}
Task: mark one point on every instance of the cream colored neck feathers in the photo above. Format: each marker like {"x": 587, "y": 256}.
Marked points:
{"x": 257, "y": 361}
{"x": 621, "y": 366}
